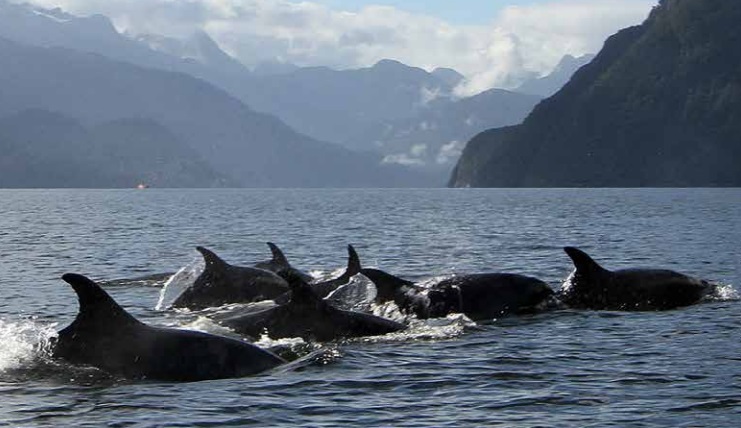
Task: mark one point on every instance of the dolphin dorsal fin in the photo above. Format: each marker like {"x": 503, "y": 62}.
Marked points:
{"x": 95, "y": 304}
{"x": 211, "y": 259}
{"x": 278, "y": 256}
{"x": 353, "y": 263}
{"x": 583, "y": 263}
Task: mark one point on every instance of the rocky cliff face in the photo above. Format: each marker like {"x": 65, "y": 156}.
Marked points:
{"x": 658, "y": 106}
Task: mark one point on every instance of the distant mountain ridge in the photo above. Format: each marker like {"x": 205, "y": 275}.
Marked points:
{"x": 404, "y": 124}
{"x": 658, "y": 106}
{"x": 332, "y": 105}
{"x": 45, "y": 149}
{"x": 252, "y": 149}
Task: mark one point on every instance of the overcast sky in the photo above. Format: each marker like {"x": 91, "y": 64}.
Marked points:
{"x": 493, "y": 42}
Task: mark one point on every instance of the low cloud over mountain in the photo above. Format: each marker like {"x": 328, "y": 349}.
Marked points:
{"x": 521, "y": 40}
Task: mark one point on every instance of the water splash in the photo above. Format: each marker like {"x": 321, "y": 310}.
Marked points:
{"x": 320, "y": 275}
{"x": 316, "y": 357}
{"x": 207, "y": 325}
{"x": 23, "y": 342}
{"x": 183, "y": 278}
{"x": 391, "y": 311}
{"x": 723, "y": 293}
{"x": 356, "y": 295}
{"x": 430, "y": 282}
{"x": 568, "y": 283}
{"x": 451, "y": 326}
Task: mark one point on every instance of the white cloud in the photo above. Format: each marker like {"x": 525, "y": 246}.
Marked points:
{"x": 414, "y": 157}
{"x": 418, "y": 150}
{"x": 402, "y": 159}
{"x": 520, "y": 41}
{"x": 450, "y": 152}
{"x": 535, "y": 37}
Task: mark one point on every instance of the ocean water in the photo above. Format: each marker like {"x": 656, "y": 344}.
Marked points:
{"x": 564, "y": 368}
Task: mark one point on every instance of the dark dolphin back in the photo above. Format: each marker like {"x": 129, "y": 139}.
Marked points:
{"x": 388, "y": 286}
{"x": 319, "y": 320}
{"x": 323, "y": 289}
{"x": 278, "y": 257}
{"x": 308, "y": 316}
{"x": 222, "y": 283}
{"x": 586, "y": 287}
{"x": 104, "y": 335}
{"x": 280, "y": 265}
{"x": 213, "y": 262}
{"x": 97, "y": 309}
{"x": 594, "y": 287}
{"x": 584, "y": 264}
{"x": 353, "y": 262}
{"x": 487, "y": 296}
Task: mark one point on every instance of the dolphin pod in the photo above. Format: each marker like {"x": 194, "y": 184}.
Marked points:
{"x": 104, "y": 335}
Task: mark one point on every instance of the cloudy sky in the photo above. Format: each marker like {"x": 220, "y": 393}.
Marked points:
{"x": 492, "y": 42}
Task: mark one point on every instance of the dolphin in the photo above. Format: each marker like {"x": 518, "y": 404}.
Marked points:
{"x": 105, "y": 336}
{"x": 322, "y": 289}
{"x": 593, "y": 287}
{"x": 279, "y": 264}
{"x": 221, "y": 283}
{"x": 308, "y": 316}
{"x": 482, "y": 296}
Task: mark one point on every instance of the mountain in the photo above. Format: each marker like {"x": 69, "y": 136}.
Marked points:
{"x": 332, "y": 105}
{"x": 198, "y": 49}
{"x": 658, "y": 106}
{"x": 451, "y": 77}
{"x": 269, "y": 68}
{"x": 328, "y": 105}
{"x": 45, "y": 149}
{"x": 550, "y": 84}
{"x": 197, "y": 55}
{"x": 433, "y": 139}
{"x": 252, "y": 148}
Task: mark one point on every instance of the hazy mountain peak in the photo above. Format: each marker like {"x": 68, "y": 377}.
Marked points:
{"x": 449, "y": 76}
{"x": 548, "y": 85}
{"x": 569, "y": 63}
{"x": 389, "y": 63}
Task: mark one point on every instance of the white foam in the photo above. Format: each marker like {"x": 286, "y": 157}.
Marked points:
{"x": 266, "y": 342}
{"x": 451, "y": 326}
{"x": 724, "y": 292}
{"x": 23, "y": 341}
{"x": 568, "y": 283}
{"x": 179, "y": 282}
